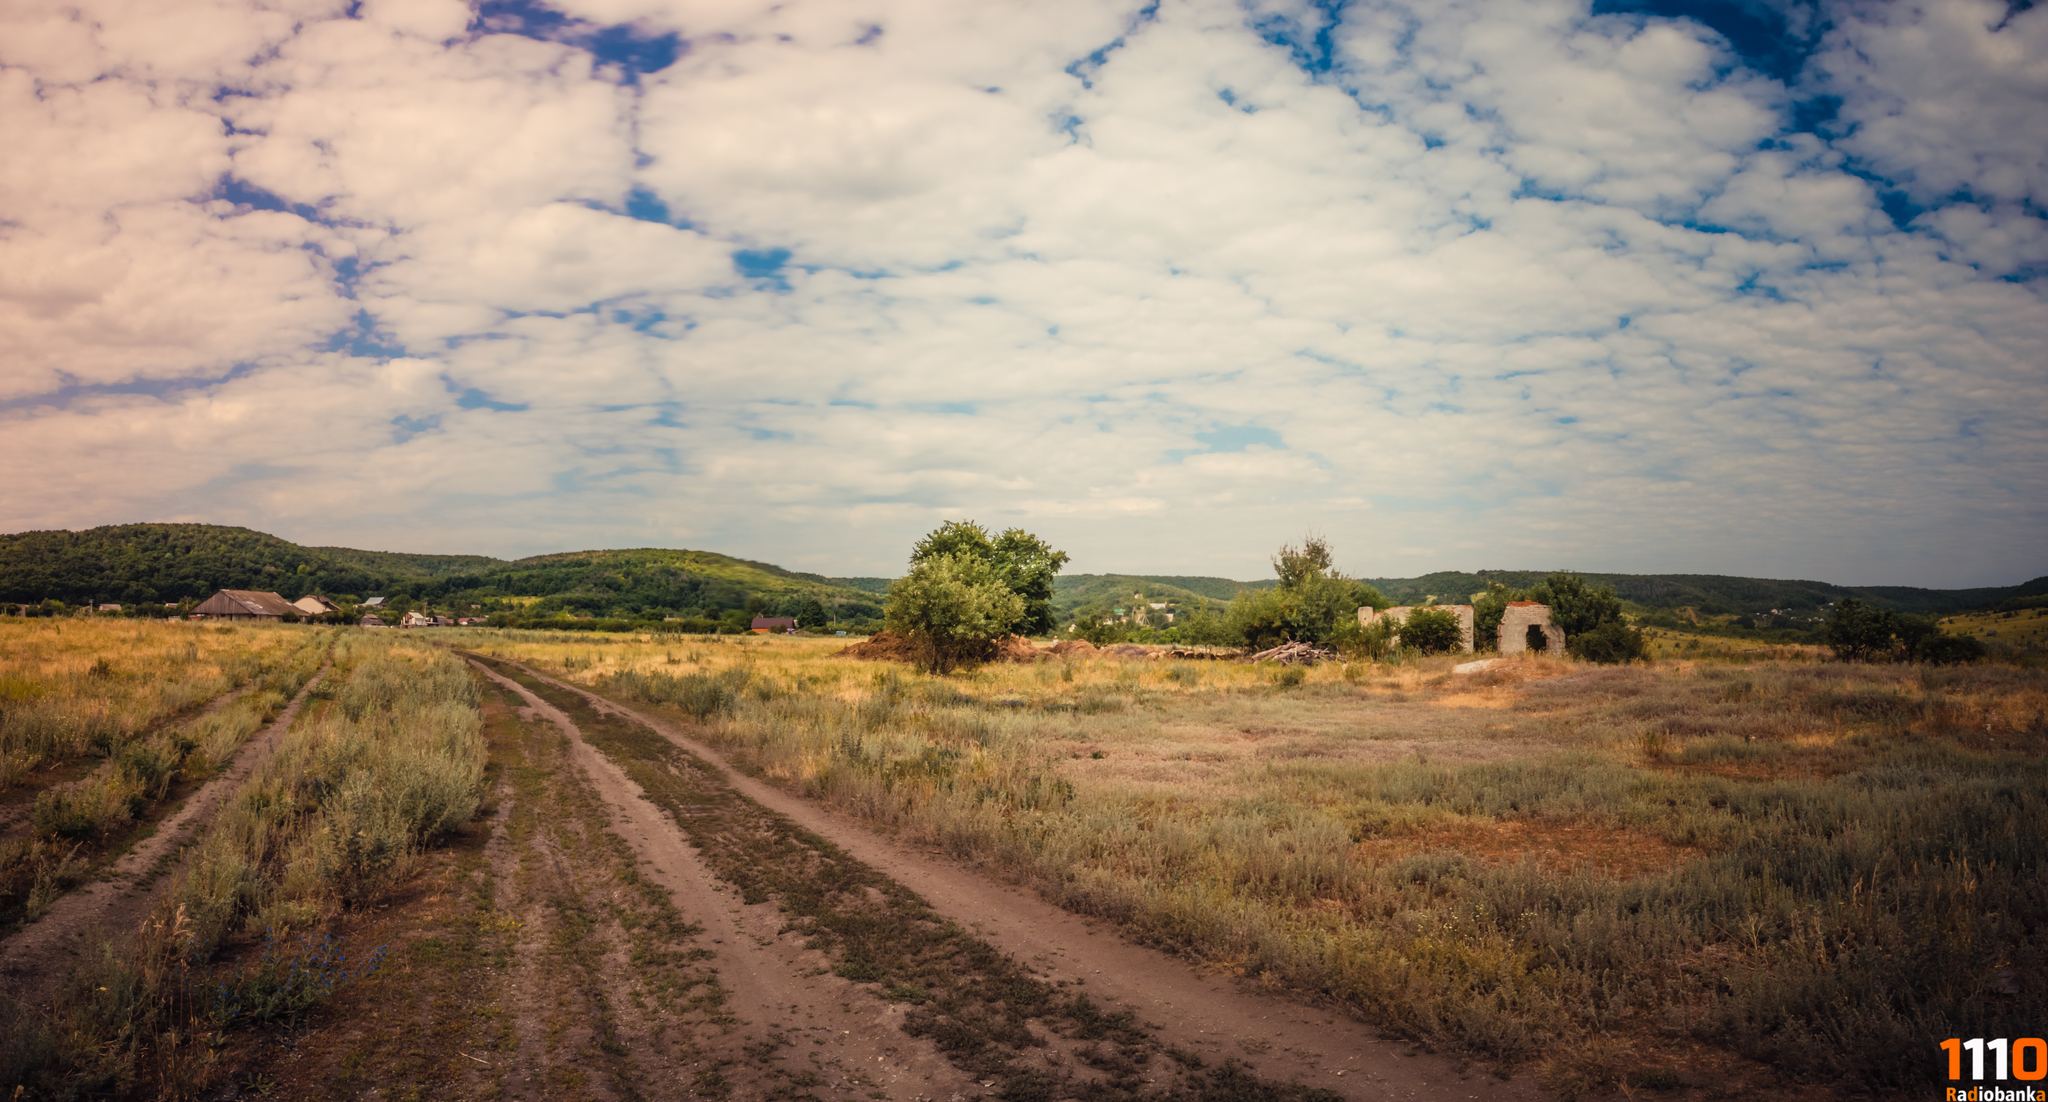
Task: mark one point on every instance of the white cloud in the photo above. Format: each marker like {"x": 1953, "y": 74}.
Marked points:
{"x": 1504, "y": 275}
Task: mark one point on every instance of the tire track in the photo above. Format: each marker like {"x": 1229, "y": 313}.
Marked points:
{"x": 34, "y": 959}
{"x": 1209, "y": 1015}
{"x": 793, "y": 1026}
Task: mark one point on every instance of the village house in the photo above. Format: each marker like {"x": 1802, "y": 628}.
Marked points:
{"x": 312, "y": 604}
{"x": 244, "y": 604}
{"x": 766, "y": 624}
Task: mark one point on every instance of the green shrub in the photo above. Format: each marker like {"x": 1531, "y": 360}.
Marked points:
{"x": 1432, "y": 631}
{"x": 1612, "y": 642}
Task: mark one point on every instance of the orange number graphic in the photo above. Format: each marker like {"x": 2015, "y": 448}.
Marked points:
{"x": 2020, "y": 1048}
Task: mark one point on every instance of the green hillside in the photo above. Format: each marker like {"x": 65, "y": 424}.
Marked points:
{"x": 153, "y": 564}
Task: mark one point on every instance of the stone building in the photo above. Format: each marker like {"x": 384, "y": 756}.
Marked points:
{"x": 1399, "y": 615}
{"x": 1526, "y": 626}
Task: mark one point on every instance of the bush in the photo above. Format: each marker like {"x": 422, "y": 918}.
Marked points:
{"x": 1613, "y": 642}
{"x": 950, "y": 606}
{"x": 1944, "y": 649}
{"x": 1432, "y": 631}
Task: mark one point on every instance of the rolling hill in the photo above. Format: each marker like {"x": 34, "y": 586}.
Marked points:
{"x": 146, "y": 564}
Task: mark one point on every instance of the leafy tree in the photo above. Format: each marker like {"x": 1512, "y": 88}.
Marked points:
{"x": 1312, "y": 604}
{"x": 1856, "y": 632}
{"x": 1859, "y": 633}
{"x": 1099, "y": 629}
{"x": 1433, "y": 631}
{"x": 1585, "y": 613}
{"x": 1025, "y": 563}
{"x": 811, "y": 614}
{"x": 1206, "y": 629}
{"x": 1575, "y": 606}
{"x": 950, "y": 606}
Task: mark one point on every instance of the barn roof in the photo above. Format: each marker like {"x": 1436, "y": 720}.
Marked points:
{"x": 245, "y": 602}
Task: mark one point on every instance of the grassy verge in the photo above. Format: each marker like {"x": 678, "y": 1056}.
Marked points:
{"x": 76, "y": 828}
{"x": 327, "y": 825}
{"x": 977, "y": 1005}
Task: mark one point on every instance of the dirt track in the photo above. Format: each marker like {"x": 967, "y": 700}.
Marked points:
{"x": 773, "y": 985}
{"x": 33, "y": 960}
{"x": 773, "y": 982}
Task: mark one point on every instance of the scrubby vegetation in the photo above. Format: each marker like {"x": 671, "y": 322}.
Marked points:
{"x": 1617, "y": 873}
{"x": 392, "y": 760}
{"x": 91, "y": 747}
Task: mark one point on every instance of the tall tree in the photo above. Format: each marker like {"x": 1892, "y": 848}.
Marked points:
{"x": 1026, "y": 564}
{"x": 949, "y": 606}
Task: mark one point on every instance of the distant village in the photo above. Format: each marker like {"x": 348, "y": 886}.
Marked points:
{"x": 370, "y": 612}
{"x": 251, "y": 604}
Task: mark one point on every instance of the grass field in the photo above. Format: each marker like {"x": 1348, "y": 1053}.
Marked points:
{"x": 1695, "y": 872}
{"x": 103, "y": 724}
{"x": 391, "y": 759}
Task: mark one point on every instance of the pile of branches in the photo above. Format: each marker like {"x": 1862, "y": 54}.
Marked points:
{"x": 1295, "y": 654}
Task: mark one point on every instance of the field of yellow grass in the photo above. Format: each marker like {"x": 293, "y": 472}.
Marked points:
{"x": 1623, "y": 874}
{"x": 101, "y": 720}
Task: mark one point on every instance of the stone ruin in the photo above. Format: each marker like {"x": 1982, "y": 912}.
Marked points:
{"x": 1366, "y": 617}
{"x": 1524, "y": 624}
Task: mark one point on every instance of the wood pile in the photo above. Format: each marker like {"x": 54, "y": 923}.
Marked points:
{"x": 1205, "y": 655}
{"x": 1295, "y": 654}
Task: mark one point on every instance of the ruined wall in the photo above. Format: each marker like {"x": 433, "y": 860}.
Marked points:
{"x": 1399, "y": 614}
{"x": 1515, "y": 625}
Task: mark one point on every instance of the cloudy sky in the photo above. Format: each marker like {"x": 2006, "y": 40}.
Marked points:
{"x": 1739, "y": 286}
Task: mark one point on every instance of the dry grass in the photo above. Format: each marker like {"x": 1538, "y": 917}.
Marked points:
{"x": 72, "y": 689}
{"x": 328, "y": 824}
{"x": 1808, "y": 864}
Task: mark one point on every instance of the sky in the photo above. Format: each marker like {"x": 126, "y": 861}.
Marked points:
{"x": 1747, "y": 287}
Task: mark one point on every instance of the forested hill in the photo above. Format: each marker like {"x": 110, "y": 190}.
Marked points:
{"x": 141, "y": 564}
{"x": 1709, "y": 594}
{"x": 144, "y": 564}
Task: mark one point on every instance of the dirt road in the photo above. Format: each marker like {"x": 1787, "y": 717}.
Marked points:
{"x": 821, "y": 1027}
{"x": 1106, "y": 1018}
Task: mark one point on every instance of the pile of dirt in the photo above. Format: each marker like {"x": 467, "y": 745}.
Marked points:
{"x": 1080, "y": 647}
{"x": 1016, "y": 648}
{"x": 1131, "y": 650}
{"x": 883, "y": 646}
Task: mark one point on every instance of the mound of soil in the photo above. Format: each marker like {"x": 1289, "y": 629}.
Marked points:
{"x": 883, "y": 646}
{"x": 1064, "y": 647}
{"x": 1016, "y": 648}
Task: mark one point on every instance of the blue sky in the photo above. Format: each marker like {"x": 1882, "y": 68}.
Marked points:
{"x": 1746, "y": 287}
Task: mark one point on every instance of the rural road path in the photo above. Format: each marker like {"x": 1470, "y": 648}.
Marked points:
{"x": 775, "y": 986}
{"x": 1210, "y": 1015}
{"x": 35, "y": 959}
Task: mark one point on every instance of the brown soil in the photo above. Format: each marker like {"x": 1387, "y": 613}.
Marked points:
{"x": 1212, "y": 1017}
{"x": 780, "y": 996}
{"x": 36, "y": 958}
{"x": 1080, "y": 647}
{"x": 887, "y": 646}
